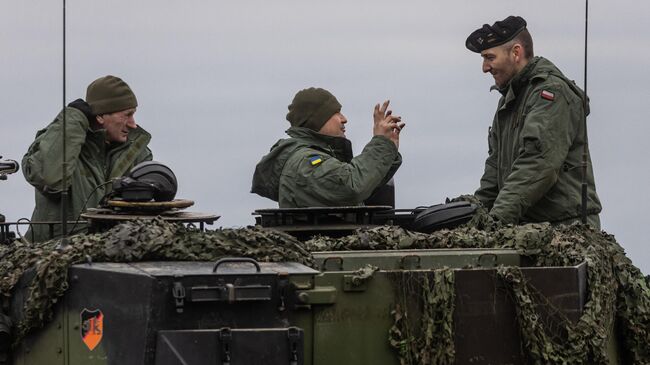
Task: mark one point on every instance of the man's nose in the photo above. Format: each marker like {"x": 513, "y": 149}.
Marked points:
{"x": 131, "y": 123}
{"x": 486, "y": 67}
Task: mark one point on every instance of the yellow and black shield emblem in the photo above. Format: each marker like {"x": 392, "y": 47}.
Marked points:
{"x": 92, "y": 327}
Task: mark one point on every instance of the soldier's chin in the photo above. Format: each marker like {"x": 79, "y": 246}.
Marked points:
{"x": 121, "y": 138}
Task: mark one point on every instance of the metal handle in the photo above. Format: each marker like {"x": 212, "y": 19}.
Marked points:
{"x": 402, "y": 261}
{"x": 332, "y": 258}
{"x": 487, "y": 260}
{"x": 237, "y": 260}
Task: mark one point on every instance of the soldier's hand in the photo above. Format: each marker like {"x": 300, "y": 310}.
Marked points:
{"x": 84, "y": 107}
{"x": 387, "y": 124}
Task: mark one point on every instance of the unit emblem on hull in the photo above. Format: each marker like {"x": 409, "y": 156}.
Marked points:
{"x": 92, "y": 327}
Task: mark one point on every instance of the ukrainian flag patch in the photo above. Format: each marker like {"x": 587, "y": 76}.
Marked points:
{"x": 315, "y": 160}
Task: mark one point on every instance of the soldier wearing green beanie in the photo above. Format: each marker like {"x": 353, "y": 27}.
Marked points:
{"x": 315, "y": 167}
{"x": 103, "y": 142}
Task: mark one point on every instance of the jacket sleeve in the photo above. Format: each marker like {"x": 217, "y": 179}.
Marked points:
{"x": 489, "y": 189}
{"x": 43, "y": 160}
{"x": 336, "y": 183}
{"x": 548, "y": 131}
{"x": 397, "y": 162}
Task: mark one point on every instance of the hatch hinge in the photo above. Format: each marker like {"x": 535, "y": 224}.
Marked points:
{"x": 225, "y": 338}
{"x": 294, "y": 337}
{"x": 178, "y": 291}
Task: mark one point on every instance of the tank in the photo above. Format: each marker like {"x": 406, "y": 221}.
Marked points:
{"x": 369, "y": 306}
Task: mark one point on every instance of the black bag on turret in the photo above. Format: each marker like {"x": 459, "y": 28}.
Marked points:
{"x": 448, "y": 215}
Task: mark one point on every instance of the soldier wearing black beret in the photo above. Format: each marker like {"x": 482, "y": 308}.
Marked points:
{"x": 532, "y": 173}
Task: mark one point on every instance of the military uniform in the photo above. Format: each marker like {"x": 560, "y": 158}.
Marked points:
{"x": 315, "y": 170}
{"x": 533, "y": 171}
{"x": 90, "y": 158}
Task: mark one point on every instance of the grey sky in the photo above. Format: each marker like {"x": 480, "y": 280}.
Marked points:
{"x": 213, "y": 79}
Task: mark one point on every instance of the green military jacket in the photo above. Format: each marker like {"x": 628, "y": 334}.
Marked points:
{"x": 533, "y": 170}
{"x": 90, "y": 162}
{"x": 315, "y": 170}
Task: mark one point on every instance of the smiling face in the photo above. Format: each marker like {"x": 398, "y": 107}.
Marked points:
{"x": 118, "y": 124}
{"x": 502, "y": 62}
{"x": 335, "y": 126}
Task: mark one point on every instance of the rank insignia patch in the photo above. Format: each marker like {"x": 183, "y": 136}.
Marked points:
{"x": 547, "y": 95}
{"x": 315, "y": 160}
{"x": 92, "y": 327}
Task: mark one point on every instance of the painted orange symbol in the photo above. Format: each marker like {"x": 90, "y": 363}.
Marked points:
{"x": 92, "y": 327}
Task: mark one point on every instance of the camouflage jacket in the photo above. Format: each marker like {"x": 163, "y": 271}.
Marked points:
{"x": 314, "y": 170}
{"x": 90, "y": 162}
{"x": 533, "y": 169}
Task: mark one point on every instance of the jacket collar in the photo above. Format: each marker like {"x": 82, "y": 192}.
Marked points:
{"x": 518, "y": 82}
{"x": 98, "y": 136}
{"x": 341, "y": 147}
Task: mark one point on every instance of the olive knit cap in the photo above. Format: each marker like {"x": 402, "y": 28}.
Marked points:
{"x": 110, "y": 94}
{"x": 312, "y": 107}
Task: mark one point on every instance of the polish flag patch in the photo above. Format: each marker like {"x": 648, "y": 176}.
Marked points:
{"x": 548, "y": 95}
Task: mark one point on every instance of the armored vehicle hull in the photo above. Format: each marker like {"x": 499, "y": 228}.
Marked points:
{"x": 348, "y": 292}
{"x": 287, "y": 313}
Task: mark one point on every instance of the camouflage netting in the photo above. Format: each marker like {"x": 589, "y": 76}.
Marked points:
{"x": 432, "y": 340}
{"x": 617, "y": 288}
{"x": 130, "y": 242}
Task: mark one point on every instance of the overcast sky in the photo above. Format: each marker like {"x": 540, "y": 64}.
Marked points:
{"x": 214, "y": 78}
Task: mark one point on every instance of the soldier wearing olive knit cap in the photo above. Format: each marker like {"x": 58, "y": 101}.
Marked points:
{"x": 102, "y": 142}
{"x": 315, "y": 167}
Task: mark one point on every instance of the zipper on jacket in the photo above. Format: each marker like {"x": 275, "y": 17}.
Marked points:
{"x": 519, "y": 111}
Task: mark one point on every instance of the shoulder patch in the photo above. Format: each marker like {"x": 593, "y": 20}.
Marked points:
{"x": 315, "y": 160}
{"x": 545, "y": 94}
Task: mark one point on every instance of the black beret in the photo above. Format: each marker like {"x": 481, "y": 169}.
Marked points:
{"x": 497, "y": 34}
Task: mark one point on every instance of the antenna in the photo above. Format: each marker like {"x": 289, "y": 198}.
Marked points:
{"x": 64, "y": 192}
{"x": 586, "y": 144}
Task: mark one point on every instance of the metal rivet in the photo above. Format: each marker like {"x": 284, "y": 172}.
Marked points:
{"x": 303, "y": 297}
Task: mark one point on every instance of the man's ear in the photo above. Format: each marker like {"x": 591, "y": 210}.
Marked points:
{"x": 99, "y": 119}
{"x": 518, "y": 52}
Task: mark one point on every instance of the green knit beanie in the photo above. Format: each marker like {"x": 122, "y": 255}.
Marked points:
{"x": 110, "y": 94}
{"x": 312, "y": 107}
